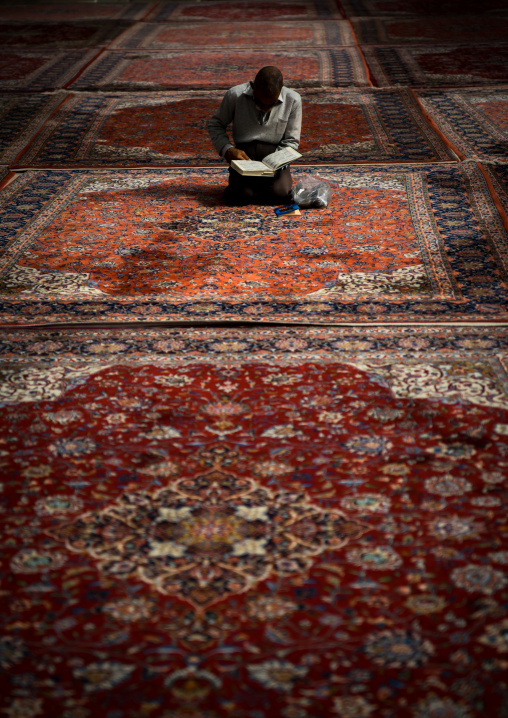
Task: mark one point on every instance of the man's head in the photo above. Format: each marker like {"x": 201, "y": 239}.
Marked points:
{"x": 266, "y": 87}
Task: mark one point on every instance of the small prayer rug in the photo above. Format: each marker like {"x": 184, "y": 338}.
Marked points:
{"x": 21, "y": 116}
{"x": 213, "y": 69}
{"x": 445, "y": 65}
{"x": 61, "y": 11}
{"x": 39, "y": 70}
{"x": 274, "y": 523}
{"x": 474, "y": 121}
{"x": 315, "y": 33}
{"x": 423, "y": 8}
{"x": 226, "y": 11}
{"x": 397, "y": 243}
{"x": 61, "y": 35}
{"x": 473, "y": 29}
{"x": 170, "y": 129}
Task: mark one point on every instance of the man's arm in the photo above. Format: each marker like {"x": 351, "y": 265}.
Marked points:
{"x": 217, "y": 125}
{"x": 293, "y": 129}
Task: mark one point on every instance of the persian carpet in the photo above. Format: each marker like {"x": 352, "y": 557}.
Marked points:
{"x": 61, "y": 35}
{"x": 59, "y": 11}
{"x": 473, "y": 29}
{"x": 401, "y": 243}
{"x": 444, "y": 65}
{"x": 293, "y": 34}
{"x": 260, "y": 524}
{"x": 423, "y": 8}
{"x": 21, "y": 116}
{"x": 39, "y": 70}
{"x": 251, "y": 11}
{"x": 195, "y": 69}
{"x": 474, "y": 121}
{"x": 170, "y": 129}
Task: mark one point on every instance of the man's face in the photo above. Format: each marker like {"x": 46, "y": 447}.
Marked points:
{"x": 264, "y": 100}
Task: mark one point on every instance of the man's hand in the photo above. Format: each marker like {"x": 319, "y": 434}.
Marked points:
{"x": 234, "y": 154}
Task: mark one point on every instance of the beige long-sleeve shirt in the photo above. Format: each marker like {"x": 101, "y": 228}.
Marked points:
{"x": 280, "y": 126}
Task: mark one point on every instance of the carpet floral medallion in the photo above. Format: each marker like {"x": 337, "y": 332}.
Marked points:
{"x": 405, "y": 243}
{"x": 474, "y": 29}
{"x": 40, "y": 70}
{"x": 450, "y": 65}
{"x": 475, "y": 121}
{"x": 157, "y": 36}
{"x": 240, "y": 10}
{"x": 254, "y": 523}
{"x": 202, "y": 69}
{"x": 169, "y": 128}
{"x": 210, "y": 536}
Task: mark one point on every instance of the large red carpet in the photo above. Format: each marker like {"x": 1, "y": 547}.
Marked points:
{"x": 315, "y": 33}
{"x": 241, "y": 10}
{"x": 253, "y": 467}
{"x": 168, "y": 128}
{"x": 415, "y": 243}
{"x": 203, "y": 68}
{"x": 268, "y": 522}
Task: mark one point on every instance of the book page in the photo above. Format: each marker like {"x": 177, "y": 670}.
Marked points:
{"x": 251, "y": 167}
{"x": 281, "y": 157}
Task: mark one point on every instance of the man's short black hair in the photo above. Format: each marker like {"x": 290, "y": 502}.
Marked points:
{"x": 269, "y": 79}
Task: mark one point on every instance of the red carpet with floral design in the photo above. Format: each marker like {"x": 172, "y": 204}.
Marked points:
{"x": 251, "y": 466}
{"x": 110, "y": 130}
{"x": 241, "y": 10}
{"x": 422, "y": 242}
{"x": 270, "y": 523}
{"x": 195, "y": 69}
{"x": 157, "y": 36}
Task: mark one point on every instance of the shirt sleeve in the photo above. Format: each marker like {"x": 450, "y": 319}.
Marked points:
{"x": 218, "y": 123}
{"x": 291, "y": 137}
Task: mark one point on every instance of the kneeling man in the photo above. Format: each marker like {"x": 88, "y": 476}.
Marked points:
{"x": 266, "y": 117}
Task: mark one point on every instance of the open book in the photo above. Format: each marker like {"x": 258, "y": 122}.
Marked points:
{"x": 268, "y": 166}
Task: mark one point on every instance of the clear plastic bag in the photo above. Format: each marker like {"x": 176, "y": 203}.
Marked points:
{"x": 312, "y": 191}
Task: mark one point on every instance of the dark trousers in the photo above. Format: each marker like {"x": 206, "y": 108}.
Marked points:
{"x": 259, "y": 190}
